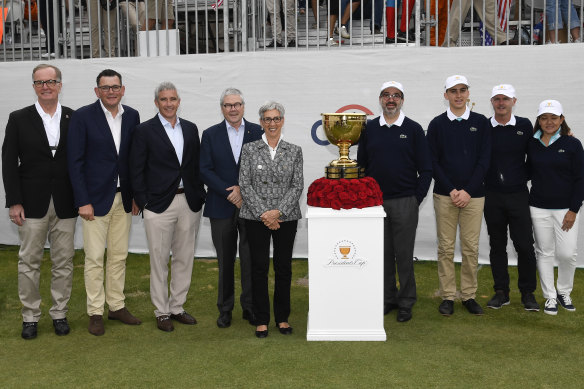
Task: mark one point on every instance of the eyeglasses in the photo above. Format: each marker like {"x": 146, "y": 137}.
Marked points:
{"x": 387, "y": 96}
{"x": 49, "y": 83}
{"x": 106, "y": 88}
{"x": 276, "y": 120}
{"x": 234, "y": 105}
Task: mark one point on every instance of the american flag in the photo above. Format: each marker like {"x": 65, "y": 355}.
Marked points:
{"x": 217, "y": 4}
{"x": 502, "y": 14}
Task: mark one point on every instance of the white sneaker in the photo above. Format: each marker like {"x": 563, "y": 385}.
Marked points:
{"x": 551, "y": 307}
{"x": 344, "y": 33}
{"x": 332, "y": 42}
{"x": 47, "y": 55}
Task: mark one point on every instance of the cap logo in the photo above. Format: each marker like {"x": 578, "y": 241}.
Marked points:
{"x": 549, "y": 104}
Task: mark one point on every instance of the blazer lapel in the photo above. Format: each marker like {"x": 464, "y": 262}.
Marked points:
{"x": 161, "y": 132}
{"x": 64, "y": 125}
{"x": 39, "y": 128}
{"x": 104, "y": 127}
{"x": 224, "y": 140}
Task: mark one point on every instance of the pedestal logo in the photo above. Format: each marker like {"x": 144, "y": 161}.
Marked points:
{"x": 345, "y": 255}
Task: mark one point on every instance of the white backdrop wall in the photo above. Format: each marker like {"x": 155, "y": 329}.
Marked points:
{"x": 309, "y": 83}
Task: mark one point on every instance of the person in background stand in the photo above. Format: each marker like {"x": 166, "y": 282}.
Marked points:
{"x": 507, "y": 200}
{"x": 555, "y": 162}
{"x": 394, "y": 151}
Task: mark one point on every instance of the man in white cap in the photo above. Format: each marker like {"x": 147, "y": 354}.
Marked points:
{"x": 507, "y": 200}
{"x": 394, "y": 151}
{"x": 460, "y": 146}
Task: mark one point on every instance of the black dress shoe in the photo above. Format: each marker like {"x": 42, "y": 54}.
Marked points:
{"x": 404, "y": 314}
{"x": 285, "y": 330}
{"x": 389, "y": 307}
{"x": 473, "y": 307}
{"x": 274, "y": 43}
{"x": 249, "y": 316}
{"x": 29, "y": 330}
{"x": 61, "y": 326}
{"x": 389, "y": 40}
{"x": 446, "y": 307}
{"x": 292, "y": 43}
{"x": 184, "y": 318}
{"x": 261, "y": 334}
{"x": 224, "y": 320}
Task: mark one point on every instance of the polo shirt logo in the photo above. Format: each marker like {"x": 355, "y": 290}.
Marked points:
{"x": 473, "y": 129}
{"x": 519, "y": 132}
{"x": 402, "y": 136}
{"x": 561, "y": 151}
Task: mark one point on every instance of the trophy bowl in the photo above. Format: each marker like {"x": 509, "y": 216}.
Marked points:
{"x": 343, "y": 130}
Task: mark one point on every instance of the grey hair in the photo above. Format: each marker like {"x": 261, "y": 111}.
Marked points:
{"x": 269, "y": 105}
{"x": 45, "y": 66}
{"x": 229, "y": 92}
{"x": 166, "y": 85}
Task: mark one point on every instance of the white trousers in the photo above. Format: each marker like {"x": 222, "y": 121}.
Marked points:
{"x": 551, "y": 242}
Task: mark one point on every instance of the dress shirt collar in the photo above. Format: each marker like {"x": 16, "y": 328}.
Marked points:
{"x": 166, "y": 123}
{"x": 106, "y": 112}
{"x": 44, "y": 115}
{"x": 554, "y": 137}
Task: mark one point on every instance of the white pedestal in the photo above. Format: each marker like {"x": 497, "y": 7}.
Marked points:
{"x": 152, "y": 47}
{"x": 345, "y": 273}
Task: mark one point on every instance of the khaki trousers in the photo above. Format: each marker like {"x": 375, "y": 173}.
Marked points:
{"x": 489, "y": 19}
{"x": 102, "y": 20}
{"x": 448, "y": 218}
{"x": 33, "y": 235}
{"x": 172, "y": 230}
{"x": 112, "y": 229}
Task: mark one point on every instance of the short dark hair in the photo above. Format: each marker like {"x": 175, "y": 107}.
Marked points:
{"x": 108, "y": 73}
{"x": 564, "y": 129}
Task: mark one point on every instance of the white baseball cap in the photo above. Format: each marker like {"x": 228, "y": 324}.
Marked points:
{"x": 392, "y": 84}
{"x": 455, "y": 80}
{"x": 503, "y": 89}
{"x": 550, "y": 106}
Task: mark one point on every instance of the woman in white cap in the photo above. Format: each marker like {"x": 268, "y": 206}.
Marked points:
{"x": 556, "y": 163}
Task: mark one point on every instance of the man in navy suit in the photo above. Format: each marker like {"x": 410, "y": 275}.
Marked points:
{"x": 98, "y": 148}
{"x": 40, "y": 198}
{"x": 164, "y": 166}
{"x": 220, "y": 150}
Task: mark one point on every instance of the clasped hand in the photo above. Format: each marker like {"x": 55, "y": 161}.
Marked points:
{"x": 271, "y": 219}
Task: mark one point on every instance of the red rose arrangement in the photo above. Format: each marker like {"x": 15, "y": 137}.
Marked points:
{"x": 343, "y": 193}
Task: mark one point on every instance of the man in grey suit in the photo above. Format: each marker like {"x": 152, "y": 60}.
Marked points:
{"x": 220, "y": 155}
{"x": 40, "y": 198}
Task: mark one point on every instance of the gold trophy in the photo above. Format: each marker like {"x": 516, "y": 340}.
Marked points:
{"x": 343, "y": 130}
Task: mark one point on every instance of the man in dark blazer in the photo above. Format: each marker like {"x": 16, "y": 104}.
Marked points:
{"x": 98, "y": 148}
{"x": 220, "y": 150}
{"x": 40, "y": 198}
{"x": 164, "y": 166}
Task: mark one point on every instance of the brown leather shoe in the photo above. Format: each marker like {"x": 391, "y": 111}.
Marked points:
{"x": 184, "y": 318}
{"x": 96, "y": 325}
{"x": 124, "y": 316}
{"x": 164, "y": 323}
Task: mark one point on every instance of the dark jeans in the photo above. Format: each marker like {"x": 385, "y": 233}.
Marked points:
{"x": 510, "y": 209}
{"x": 399, "y": 235}
{"x": 48, "y": 20}
{"x": 259, "y": 237}
{"x": 224, "y": 233}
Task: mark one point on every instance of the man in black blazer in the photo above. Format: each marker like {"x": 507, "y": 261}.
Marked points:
{"x": 164, "y": 166}
{"x": 98, "y": 148}
{"x": 40, "y": 198}
{"x": 220, "y": 150}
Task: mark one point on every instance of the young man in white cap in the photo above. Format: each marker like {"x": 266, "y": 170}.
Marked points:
{"x": 394, "y": 151}
{"x": 507, "y": 200}
{"x": 460, "y": 146}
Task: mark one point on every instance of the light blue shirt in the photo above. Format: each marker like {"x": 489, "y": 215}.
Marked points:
{"x": 176, "y": 138}
{"x": 236, "y": 138}
{"x": 554, "y": 137}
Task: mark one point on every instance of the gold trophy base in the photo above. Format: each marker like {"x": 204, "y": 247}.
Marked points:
{"x": 337, "y": 172}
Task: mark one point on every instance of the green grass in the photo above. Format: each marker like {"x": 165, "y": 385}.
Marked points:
{"x": 505, "y": 348}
